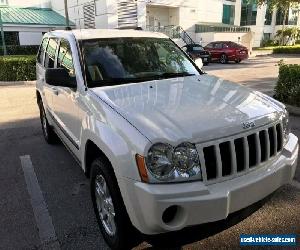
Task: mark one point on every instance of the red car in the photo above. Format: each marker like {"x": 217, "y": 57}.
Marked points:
{"x": 227, "y": 51}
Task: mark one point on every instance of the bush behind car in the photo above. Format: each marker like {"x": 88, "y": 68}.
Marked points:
{"x": 288, "y": 85}
{"x": 17, "y": 68}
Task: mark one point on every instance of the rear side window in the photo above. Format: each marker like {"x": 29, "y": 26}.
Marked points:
{"x": 40, "y": 57}
{"x": 50, "y": 53}
{"x": 210, "y": 45}
{"x": 65, "y": 59}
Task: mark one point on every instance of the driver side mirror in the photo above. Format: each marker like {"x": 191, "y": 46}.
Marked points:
{"x": 199, "y": 63}
{"x": 60, "y": 77}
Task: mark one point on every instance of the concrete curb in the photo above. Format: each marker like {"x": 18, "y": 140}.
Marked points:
{"x": 293, "y": 110}
{"x": 17, "y": 83}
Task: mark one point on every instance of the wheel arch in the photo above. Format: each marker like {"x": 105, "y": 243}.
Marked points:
{"x": 91, "y": 152}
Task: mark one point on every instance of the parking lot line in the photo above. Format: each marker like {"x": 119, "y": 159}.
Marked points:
{"x": 42, "y": 218}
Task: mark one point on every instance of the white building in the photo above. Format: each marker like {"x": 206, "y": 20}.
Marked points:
{"x": 203, "y": 20}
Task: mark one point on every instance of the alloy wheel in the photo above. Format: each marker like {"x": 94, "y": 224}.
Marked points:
{"x": 105, "y": 205}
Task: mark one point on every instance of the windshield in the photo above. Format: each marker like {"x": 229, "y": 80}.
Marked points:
{"x": 122, "y": 60}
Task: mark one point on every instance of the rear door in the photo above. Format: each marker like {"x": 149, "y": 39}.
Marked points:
{"x": 49, "y": 62}
{"x": 40, "y": 69}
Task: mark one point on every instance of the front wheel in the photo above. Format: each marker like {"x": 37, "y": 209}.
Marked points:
{"x": 109, "y": 208}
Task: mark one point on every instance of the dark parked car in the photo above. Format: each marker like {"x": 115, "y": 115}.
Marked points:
{"x": 227, "y": 51}
{"x": 197, "y": 51}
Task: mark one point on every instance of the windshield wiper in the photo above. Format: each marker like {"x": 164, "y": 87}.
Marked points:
{"x": 172, "y": 74}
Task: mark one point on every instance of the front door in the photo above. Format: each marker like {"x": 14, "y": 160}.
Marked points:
{"x": 65, "y": 100}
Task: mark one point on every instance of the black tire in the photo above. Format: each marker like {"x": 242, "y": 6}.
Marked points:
{"x": 223, "y": 59}
{"x": 48, "y": 132}
{"x": 205, "y": 64}
{"x": 238, "y": 61}
{"x": 125, "y": 236}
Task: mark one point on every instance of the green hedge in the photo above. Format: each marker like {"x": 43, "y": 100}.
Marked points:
{"x": 288, "y": 85}
{"x": 287, "y": 50}
{"x": 17, "y": 68}
{"x": 20, "y": 50}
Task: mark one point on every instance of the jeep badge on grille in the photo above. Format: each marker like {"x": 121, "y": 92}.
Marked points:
{"x": 247, "y": 125}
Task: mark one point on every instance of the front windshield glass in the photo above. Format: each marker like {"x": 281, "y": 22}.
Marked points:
{"x": 123, "y": 60}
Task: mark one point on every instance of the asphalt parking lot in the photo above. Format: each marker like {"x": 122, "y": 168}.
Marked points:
{"x": 65, "y": 188}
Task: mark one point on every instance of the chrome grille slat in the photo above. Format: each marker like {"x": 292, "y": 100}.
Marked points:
{"x": 202, "y": 162}
{"x": 233, "y": 158}
{"x": 275, "y": 139}
{"x": 246, "y": 153}
{"x": 227, "y": 158}
{"x": 219, "y": 161}
{"x": 267, "y": 144}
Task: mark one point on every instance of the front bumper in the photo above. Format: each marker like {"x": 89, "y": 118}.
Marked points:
{"x": 198, "y": 203}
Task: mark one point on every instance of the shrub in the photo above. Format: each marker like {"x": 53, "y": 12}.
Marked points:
{"x": 287, "y": 50}
{"x": 297, "y": 42}
{"x": 288, "y": 85}
{"x": 17, "y": 68}
{"x": 268, "y": 43}
{"x": 20, "y": 50}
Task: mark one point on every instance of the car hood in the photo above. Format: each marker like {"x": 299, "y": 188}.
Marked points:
{"x": 195, "y": 108}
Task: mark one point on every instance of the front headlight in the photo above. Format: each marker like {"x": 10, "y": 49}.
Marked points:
{"x": 285, "y": 126}
{"x": 178, "y": 164}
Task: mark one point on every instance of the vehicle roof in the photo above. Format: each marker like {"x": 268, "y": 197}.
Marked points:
{"x": 85, "y": 34}
{"x": 222, "y": 42}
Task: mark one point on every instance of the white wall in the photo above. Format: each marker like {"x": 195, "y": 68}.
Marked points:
{"x": 106, "y": 12}
{"x": 30, "y": 38}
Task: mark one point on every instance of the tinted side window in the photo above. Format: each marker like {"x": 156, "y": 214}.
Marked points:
{"x": 218, "y": 46}
{"x": 65, "y": 59}
{"x": 50, "y": 53}
{"x": 41, "y": 53}
{"x": 209, "y": 46}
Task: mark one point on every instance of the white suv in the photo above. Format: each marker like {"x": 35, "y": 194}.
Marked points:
{"x": 165, "y": 145}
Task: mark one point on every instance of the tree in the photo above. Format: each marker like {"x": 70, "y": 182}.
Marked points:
{"x": 292, "y": 33}
{"x": 283, "y": 5}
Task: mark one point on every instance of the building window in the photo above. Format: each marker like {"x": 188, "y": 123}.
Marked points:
{"x": 269, "y": 16}
{"x": 267, "y": 36}
{"x": 293, "y": 20}
{"x": 3, "y": 2}
{"x": 228, "y": 14}
{"x": 280, "y": 18}
{"x": 249, "y": 13}
{"x": 11, "y": 38}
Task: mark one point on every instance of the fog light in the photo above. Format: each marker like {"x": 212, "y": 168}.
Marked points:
{"x": 169, "y": 214}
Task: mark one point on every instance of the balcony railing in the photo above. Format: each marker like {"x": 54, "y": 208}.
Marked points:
{"x": 173, "y": 31}
{"x": 205, "y": 28}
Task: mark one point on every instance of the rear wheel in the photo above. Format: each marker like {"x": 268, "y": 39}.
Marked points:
{"x": 48, "y": 131}
{"x": 223, "y": 59}
{"x": 238, "y": 60}
{"x": 109, "y": 208}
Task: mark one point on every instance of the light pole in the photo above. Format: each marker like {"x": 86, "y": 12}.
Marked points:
{"x": 2, "y": 35}
{"x": 67, "y": 13}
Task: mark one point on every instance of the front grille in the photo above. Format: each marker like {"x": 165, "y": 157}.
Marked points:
{"x": 231, "y": 157}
